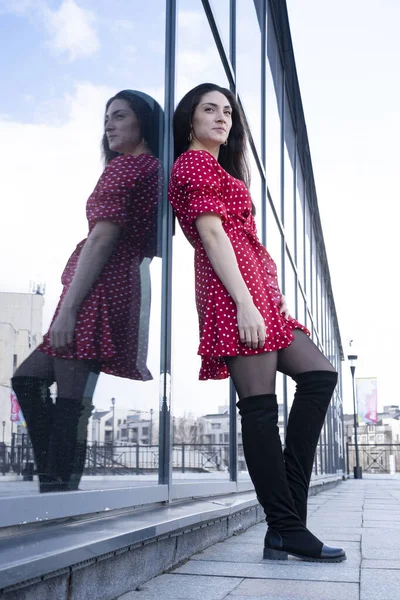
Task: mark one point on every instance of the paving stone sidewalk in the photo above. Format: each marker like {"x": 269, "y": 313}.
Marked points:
{"x": 363, "y": 516}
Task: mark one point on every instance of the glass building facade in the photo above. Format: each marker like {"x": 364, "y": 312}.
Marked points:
{"x": 171, "y": 436}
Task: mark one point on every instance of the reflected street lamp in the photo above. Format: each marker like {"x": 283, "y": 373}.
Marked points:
{"x": 357, "y": 469}
{"x": 151, "y": 427}
{"x": 113, "y": 422}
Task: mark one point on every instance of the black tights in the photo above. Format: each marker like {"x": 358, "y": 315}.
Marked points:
{"x": 76, "y": 379}
{"x": 256, "y": 375}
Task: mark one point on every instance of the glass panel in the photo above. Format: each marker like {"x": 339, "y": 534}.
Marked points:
{"x": 300, "y": 308}
{"x": 290, "y": 390}
{"x": 256, "y": 194}
{"x": 274, "y": 83}
{"x": 280, "y": 398}
{"x": 221, "y": 12}
{"x": 274, "y": 241}
{"x": 323, "y": 316}
{"x": 289, "y": 153}
{"x": 200, "y": 408}
{"x": 308, "y": 254}
{"x": 197, "y": 59}
{"x": 314, "y": 274}
{"x": 248, "y": 52}
{"x": 300, "y": 220}
{"x": 319, "y": 312}
{"x": 65, "y": 66}
{"x": 290, "y": 285}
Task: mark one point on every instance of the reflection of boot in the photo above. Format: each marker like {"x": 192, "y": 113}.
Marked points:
{"x": 37, "y": 406}
{"x": 313, "y": 393}
{"x": 67, "y": 450}
{"x": 81, "y": 444}
{"x": 263, "y": 453}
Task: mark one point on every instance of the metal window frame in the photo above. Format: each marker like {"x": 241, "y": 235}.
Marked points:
{"x": 269, "y": 13}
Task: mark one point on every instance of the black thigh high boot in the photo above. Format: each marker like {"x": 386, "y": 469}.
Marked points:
{"x": 264, "y": 457}
{"x": 37, "y": 406}
{"x": 314, "y": 391}
{"x": 67, "y": 450}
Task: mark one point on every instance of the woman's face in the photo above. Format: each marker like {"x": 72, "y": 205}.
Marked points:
{"x": 212, "y": 120}
{"x": 122, "y": 128}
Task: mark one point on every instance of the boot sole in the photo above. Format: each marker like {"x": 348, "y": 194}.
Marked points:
{"x": 270, "y": 554}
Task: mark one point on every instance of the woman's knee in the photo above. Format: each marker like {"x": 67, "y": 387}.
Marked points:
{"x": 37, "y": 366}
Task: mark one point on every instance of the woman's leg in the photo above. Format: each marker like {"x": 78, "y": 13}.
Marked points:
{"x": 315, "y": 380}
{"x": 31, "y": 382}
{"x": 254, "y": 379}
{"x": 76, "y": 382}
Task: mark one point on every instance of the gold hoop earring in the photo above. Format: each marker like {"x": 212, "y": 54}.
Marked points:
{"x": 190, "y": 138}
{"x": 225, "y": 143}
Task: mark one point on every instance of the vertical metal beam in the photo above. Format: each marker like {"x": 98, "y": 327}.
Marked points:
{"x": 296, "y": 291}
{"x": 233, "y": 433}
{"x": 341, "y": 416}
{"x": 165, "y": 465}
{"x": 232, "y": 35}
{"x": 233, "y": 437}
{"x": 264, "y": 59}
{"x": 283, "y": 242}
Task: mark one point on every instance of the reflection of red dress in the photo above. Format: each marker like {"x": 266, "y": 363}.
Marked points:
{"x": 199, "y": 185}
{"x": 110, "y": 327}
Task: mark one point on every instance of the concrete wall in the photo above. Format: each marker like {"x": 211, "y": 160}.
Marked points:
{"x": 20, "y": 333}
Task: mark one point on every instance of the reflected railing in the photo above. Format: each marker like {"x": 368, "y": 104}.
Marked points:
{"x": 125, "y": 458}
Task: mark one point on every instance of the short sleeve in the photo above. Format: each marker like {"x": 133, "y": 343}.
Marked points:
{"x": 114, "y": 191}
{"x": 195, "y": 187}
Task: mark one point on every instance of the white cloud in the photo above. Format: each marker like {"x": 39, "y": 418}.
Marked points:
{"x": 71, "y": 30}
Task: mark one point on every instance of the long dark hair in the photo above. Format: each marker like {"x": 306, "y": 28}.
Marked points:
{"x": 150, "y": 116}
{"x": 233, "y": 157}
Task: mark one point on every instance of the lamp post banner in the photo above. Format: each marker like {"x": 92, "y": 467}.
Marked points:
{"x": 367, "y": 399}
{"x": 16, "y": 412}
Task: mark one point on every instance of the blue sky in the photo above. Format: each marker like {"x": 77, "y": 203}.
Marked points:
{"x": 119, "y": 43}
{"x": 347, "y": 62}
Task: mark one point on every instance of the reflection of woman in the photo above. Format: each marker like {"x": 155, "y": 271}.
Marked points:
{"x": 245, "y": 328}
{"x": 97, "y": 325}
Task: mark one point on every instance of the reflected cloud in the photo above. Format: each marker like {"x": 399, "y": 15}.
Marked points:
{"x": 71, "y": 30}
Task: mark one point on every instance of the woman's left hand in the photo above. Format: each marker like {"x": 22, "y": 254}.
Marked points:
{"x": 283, "y": 308}
{"x": 63, "y": 329}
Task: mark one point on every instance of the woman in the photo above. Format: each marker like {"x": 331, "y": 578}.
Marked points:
{"x": 98, "y": 324}
{"x": 245, "y": 328}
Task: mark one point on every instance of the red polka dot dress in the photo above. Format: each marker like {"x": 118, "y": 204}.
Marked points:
{"x": 112, "y": 326}
{"x": 200, "y": 185}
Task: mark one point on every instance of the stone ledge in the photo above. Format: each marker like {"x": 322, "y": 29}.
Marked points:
{"x": 107, "y": 557}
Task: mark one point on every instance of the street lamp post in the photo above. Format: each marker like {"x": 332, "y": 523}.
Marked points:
{"x": 151, "y": 427}
{"x": 357, "y": 469}
{"x": 113, "y": 423}
{"x": 4, "y": 425}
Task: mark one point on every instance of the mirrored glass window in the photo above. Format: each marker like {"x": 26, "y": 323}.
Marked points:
{"x": 300, "y": 195}
{"x": 248, "y": 61}
{"x": 200, "y": 408}
{"x": 82, "y": 108}
{"x": 289, "y": 164}
{"x": 274, "y": 85}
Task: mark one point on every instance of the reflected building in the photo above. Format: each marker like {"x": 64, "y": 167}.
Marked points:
{"x": 21, "y": 322}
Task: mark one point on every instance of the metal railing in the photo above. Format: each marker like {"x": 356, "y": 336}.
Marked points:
{"x": 124, "y": 459}
{"x": 374, "y": 458}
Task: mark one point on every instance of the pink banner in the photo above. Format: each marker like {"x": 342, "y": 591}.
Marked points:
{"x": 16, "y": 412}
{"x": 367, "y": 399}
